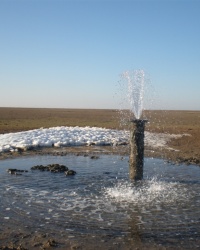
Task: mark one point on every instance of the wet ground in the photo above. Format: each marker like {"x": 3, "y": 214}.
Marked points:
{"x": 174, "y": 156}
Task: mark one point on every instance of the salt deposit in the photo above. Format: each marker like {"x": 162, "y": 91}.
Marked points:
{"x": 75, "y": 136}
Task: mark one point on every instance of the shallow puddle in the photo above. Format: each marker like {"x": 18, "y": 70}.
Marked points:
{"x": 100, "y": 206}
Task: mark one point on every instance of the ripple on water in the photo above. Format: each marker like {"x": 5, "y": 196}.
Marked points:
{"x": 101, "y": 200}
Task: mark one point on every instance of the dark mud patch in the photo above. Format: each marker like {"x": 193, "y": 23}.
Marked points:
{"x": 175, "y": 156}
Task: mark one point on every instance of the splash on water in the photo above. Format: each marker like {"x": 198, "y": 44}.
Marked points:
{"x": 147, "y": 193}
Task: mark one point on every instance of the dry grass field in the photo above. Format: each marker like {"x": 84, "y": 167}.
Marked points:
{"x": 173, "y": 122}
{"x": 178, "y": 122}
{"x": 21, "y": 119}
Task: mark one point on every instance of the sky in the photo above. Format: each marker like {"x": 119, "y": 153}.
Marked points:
{"x": 71, "y": 53}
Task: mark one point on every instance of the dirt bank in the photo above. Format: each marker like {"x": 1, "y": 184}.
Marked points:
{"x": 184, "y": 149}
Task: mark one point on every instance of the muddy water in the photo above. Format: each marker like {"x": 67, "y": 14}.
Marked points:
{"x": 100, "y": 207}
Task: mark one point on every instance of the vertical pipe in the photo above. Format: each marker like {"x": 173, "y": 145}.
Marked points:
{"x": 136, "y": 160}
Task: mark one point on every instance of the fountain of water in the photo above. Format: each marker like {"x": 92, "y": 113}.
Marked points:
{"x": 135, "y": 91}
{"x": 136, "y": 81}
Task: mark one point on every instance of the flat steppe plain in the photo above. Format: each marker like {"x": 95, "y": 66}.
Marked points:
{"x": 186, "y": 148}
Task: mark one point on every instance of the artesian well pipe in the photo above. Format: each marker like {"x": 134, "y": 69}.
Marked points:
{"x": 136, "y": 160}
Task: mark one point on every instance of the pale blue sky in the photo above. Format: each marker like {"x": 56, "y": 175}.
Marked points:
{"x": 70, "y": 54}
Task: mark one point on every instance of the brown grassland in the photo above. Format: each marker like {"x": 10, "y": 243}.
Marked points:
{"x": 187, "y": 148}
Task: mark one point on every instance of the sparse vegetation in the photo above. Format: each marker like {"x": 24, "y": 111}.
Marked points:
{"x": 173, "y": 122}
